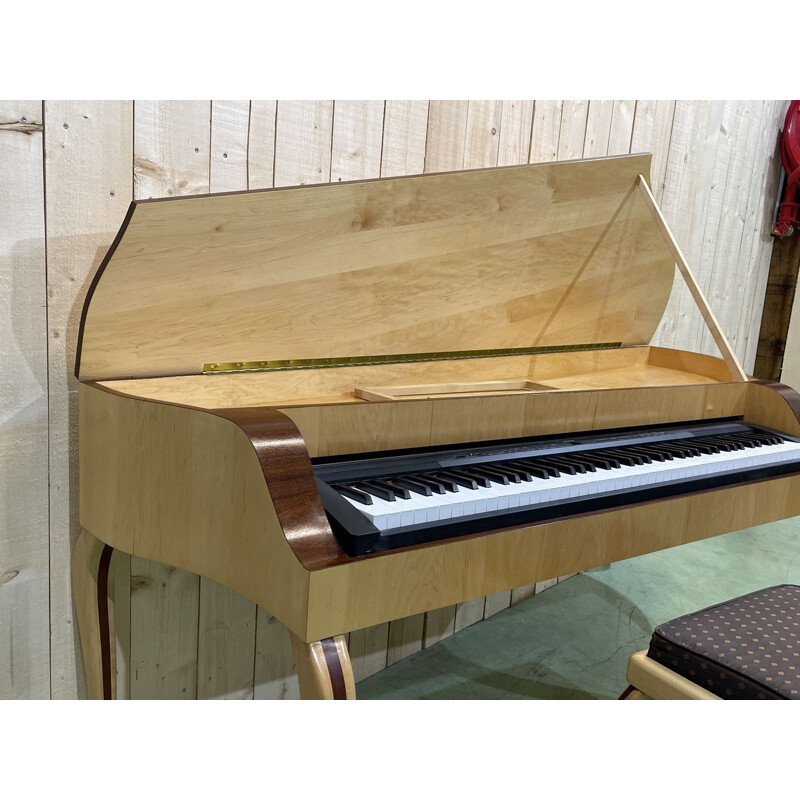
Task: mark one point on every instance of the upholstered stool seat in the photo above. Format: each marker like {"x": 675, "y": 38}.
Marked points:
{"x": 747, "y": 648}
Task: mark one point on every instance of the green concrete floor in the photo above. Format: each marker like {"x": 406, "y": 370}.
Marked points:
{"x": 573, "y": 640}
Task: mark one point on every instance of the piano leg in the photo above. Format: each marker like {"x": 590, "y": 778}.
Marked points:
{"x": 92, "y": 585}
{"x": 323, "y": 669}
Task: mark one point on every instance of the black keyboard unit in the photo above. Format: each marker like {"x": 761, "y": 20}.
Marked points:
{"x": 383, "y": 501}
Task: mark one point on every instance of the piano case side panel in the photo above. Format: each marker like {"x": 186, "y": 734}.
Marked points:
{"x": 185, "y": 487}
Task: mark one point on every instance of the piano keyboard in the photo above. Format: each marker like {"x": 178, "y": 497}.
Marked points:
{"x": 400, "y": 499}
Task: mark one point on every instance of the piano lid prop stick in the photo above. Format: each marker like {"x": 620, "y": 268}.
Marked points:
{"x": 708, "y": 315}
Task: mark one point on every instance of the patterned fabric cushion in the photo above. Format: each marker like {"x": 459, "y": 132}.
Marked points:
{"x": 745, "y": 649}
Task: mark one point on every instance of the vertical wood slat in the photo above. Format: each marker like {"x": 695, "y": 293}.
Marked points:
{"x": 756, "y": 248}
{"x": 24, "y": 501}
{"x": 172, "y": 153}
{"x": 726, "y": 291}
{"x": 688, "y": 187}
{"x": 88, "y": 167}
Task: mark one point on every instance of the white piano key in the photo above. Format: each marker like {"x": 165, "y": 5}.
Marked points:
{"x": 420, "y": 509}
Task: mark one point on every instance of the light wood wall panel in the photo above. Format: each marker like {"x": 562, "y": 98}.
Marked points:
{"x": 88, "y": 178}
{"x": 24, "y": 535}
{"x": 714, "y": 171}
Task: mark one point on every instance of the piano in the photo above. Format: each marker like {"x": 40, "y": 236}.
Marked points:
{"x": 357, "y": 402}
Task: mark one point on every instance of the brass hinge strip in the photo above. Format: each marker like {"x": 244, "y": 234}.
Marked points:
{"x": 225, "y": 368}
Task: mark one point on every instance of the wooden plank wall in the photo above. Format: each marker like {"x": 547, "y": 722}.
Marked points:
{"x": 69, "y": 170}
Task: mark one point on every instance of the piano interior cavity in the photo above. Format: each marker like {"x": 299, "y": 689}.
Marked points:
{"x": 624, "y": 367}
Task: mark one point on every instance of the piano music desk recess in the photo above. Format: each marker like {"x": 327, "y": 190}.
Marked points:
{"x": 229, "y": 340}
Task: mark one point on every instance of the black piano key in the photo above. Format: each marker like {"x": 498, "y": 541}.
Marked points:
{"x": 449, "y": 484}
{"x": 627, "y": 452}
{"x": 467, "y": 481}
{"x": 675, "y": 452}
{"x": 736, "y": 442}
{"x": 767, "y": 438}
{"x": 721, "y": 446}
{"x": 520, "y": 471}
{"x": 688, "y": 447}
{"x": 559, "y": 464}
{"x": 530, "y": 469}
{"x": 438, "y": 485}
{"x": 731, "y": 442}
{"x": 638, "y": 451}
{"x": 753, "y": 438}
{"x": 414, "y": 486}
{"x": 576, "y": 461}
{"x": 353, "y": 494}
{"x": 550, "y": 469}
{"x": 705, "y": 449}
{"x": 599, "y": 461}
{"x": 705, "y": 445}
{"x": 494, "y": 473}
{"x": 624, "y": 458}
{"x": 655, "y": 452}
{"x": 377, "y": 489}
{"x": 500, "y": 467}
{"x": 649, "y": 453}
{"x": 397, "y": 488}
{"x": 486, "y": 475}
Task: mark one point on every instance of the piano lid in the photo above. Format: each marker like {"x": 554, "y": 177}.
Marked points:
{"x": 541, "y": 255}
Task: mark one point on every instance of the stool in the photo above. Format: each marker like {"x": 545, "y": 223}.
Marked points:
{"x": 747, "y": 648}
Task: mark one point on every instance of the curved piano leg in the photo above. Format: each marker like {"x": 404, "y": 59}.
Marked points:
{"x": 91, "y": 588}
{"x": 324, "y": 669}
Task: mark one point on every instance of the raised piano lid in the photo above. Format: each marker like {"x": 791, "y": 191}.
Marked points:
{"x": 539, "y": 255}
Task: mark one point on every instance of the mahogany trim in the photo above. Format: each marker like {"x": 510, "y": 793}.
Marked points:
{"x": 789, "y": 395}
{"x": 95, "y": 280}
{"x": 334, "y": 668}
{"x": 290, "y": 480}
{"x": 103, "y": 616}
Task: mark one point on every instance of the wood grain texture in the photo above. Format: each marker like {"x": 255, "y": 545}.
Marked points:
{"x": 303, "y": 142}
{"x": 405, "y": 127}
{"x": 88, "y": 144}
{"x": 24, "y": 540}
{"x": 584, "y": 240}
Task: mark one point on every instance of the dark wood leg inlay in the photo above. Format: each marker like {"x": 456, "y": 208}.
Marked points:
{"x": 104, "y": 620}
{"x": 334, "y": 668}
